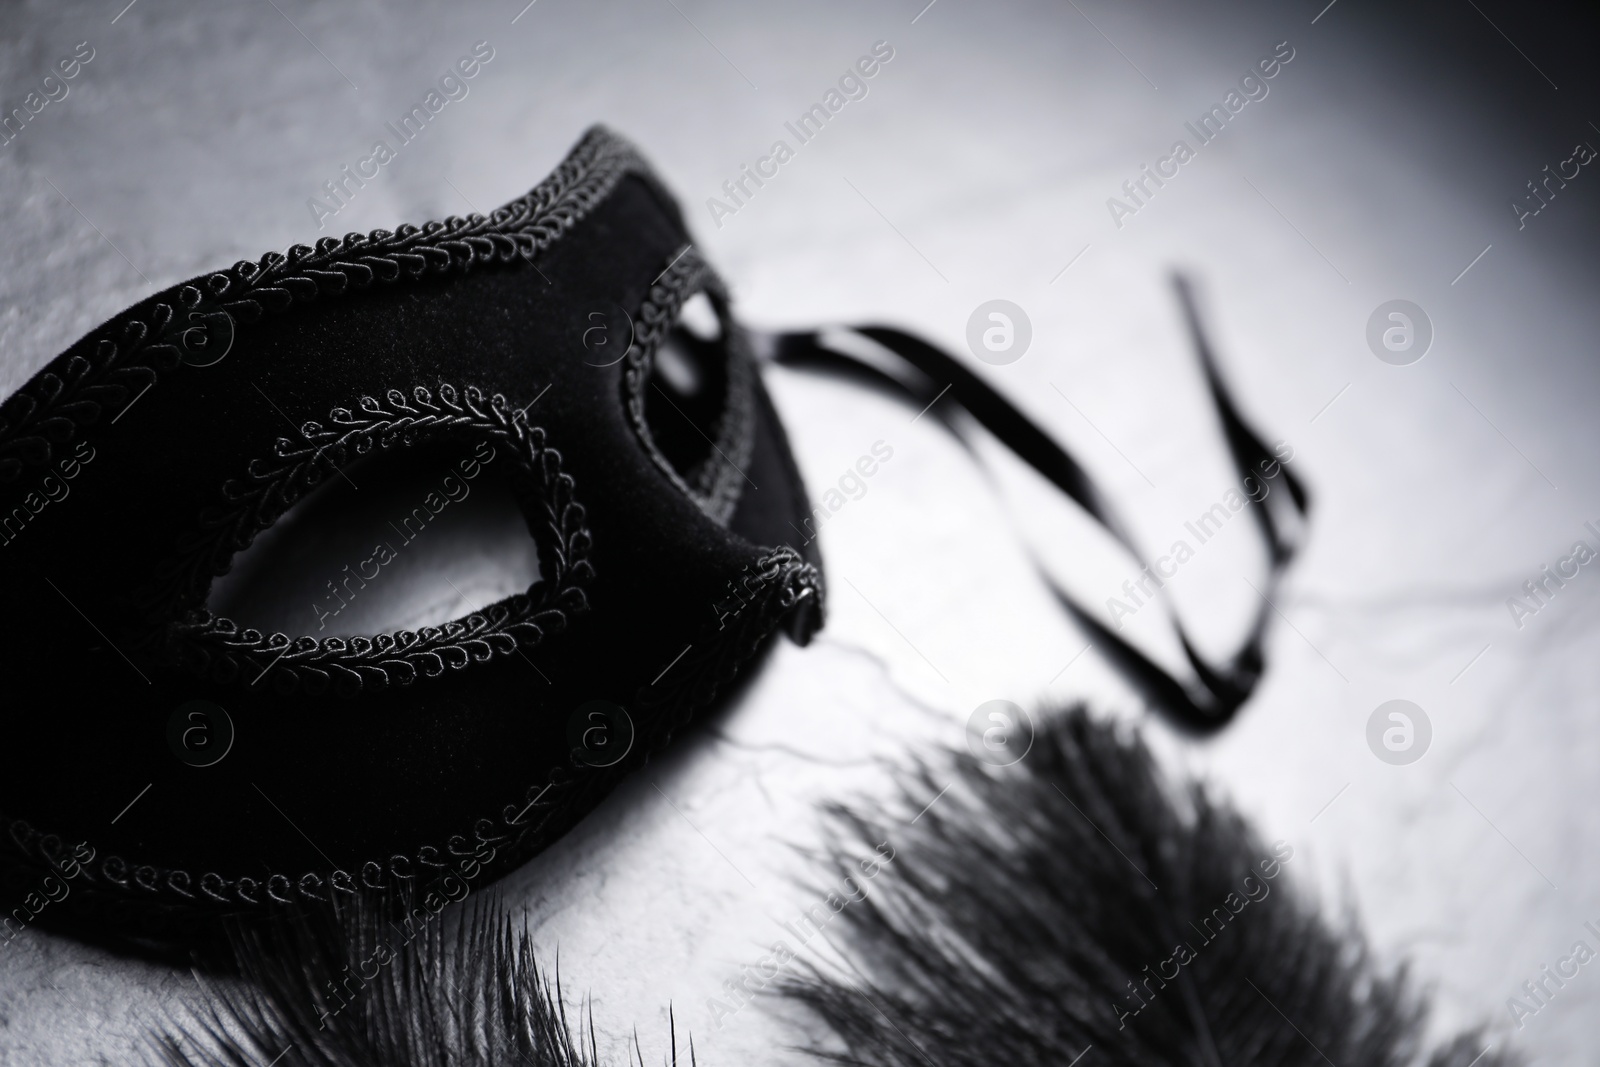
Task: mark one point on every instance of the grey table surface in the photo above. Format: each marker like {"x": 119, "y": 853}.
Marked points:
{"x": 978, "y": 166}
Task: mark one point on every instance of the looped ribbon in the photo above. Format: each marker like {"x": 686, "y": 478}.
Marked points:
{"x": 939, "y": 382}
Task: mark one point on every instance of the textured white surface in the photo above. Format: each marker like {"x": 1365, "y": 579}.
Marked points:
{"x": 989, "y": 145}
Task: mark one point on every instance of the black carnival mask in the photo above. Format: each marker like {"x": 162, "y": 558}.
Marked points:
{"x": 164, "y": 759}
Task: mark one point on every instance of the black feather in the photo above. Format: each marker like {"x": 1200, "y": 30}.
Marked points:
{"x": 1021, "y": 905}
{"x": 474, "y": 996}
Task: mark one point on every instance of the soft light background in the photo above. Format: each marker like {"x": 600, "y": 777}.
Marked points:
{"x": 1380, "y": 166}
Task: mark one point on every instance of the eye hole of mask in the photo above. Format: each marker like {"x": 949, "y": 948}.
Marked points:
{"x": 419, "y": 543}
{"x": 687, "y": 388}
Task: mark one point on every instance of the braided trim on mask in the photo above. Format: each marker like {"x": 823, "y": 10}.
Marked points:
{"x": 717, "y": 483}
{"x": 217, "y": 648}
{"x": 191, "y": 323}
